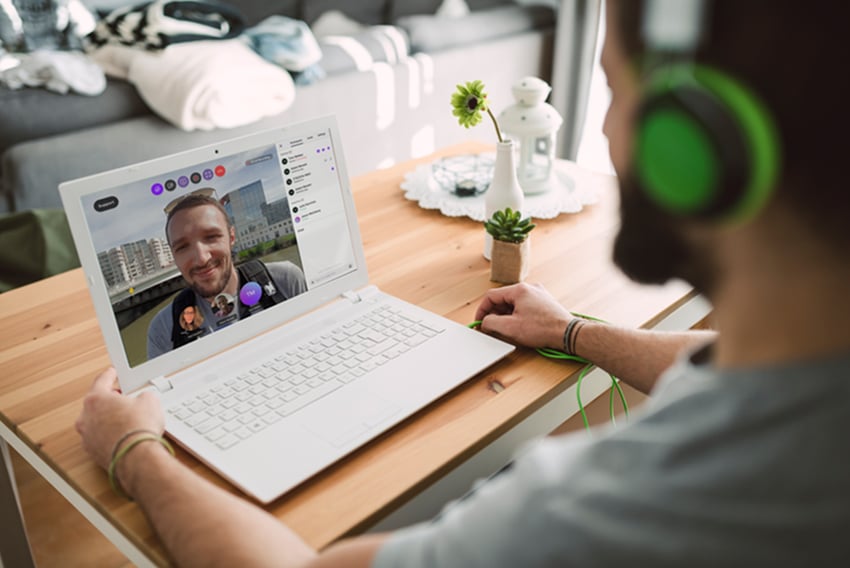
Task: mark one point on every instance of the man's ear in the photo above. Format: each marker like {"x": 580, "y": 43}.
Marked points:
{"x": 232, "y": 236}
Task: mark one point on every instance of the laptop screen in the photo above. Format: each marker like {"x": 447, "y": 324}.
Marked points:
{"x": 191, "y": 251}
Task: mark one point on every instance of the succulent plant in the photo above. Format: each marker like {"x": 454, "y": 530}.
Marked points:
{"x": 507, "y": 225}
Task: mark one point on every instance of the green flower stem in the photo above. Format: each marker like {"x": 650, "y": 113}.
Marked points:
{"x": 496, "y": 124}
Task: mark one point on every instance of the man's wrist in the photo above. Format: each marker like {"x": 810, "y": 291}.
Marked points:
{"x": 571, "y": 331}
{"x": 133, "y": 466}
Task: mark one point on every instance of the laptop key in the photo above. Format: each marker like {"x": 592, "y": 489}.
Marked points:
{"x": 183, "y": 413}
{"x": 227, "y": 441}
{"x": 415, "y": 340}
{"x": 381, "y": 347}
{"x": 208, "y": 425}
{"x": 272, "y": 417}
{"x": 196, "y": 419}
{"x": 215, "y": 434}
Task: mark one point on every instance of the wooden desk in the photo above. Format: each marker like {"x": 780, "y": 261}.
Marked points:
{"x": 52, "y": 349}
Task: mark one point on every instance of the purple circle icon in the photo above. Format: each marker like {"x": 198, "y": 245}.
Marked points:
{"x": 250, "y": 293}
{"x": 182, "y": 181}
{"x": 157, "y": 189}
{"x": 297, "y": 219}
{"x": 208, "y": 174}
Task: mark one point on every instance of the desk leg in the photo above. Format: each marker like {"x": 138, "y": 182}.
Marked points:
{"x": 14, "y": 545}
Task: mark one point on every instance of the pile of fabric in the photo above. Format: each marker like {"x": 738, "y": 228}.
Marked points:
{"x": 194, "y": 63}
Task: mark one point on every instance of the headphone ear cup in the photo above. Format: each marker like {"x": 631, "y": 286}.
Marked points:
{"x": 697, "y": 153}
{"x": 676, "y": 160}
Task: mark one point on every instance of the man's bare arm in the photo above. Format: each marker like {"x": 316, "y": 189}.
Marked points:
{"x": 203, "y": 525}
{"x": 199, "y": 523}
{"x": 636, "y": 356}
{"x": 528, "y": 315}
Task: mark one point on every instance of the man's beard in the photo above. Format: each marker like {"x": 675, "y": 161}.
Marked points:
{"x": 650, "y": 247}
{"x": 209, "y": 291}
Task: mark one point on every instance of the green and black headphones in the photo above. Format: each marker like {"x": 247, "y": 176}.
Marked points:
{"x": 705, "y": 145}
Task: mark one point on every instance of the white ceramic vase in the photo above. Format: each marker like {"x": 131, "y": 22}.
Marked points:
{"x": 504, "y": 190}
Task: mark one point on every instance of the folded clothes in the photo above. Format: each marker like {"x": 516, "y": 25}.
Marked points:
{"x": 288, "y": 43}
{"x": 285, "y": 41}
{"x": 58, "y": 71}
{"x": 155, "y": 25}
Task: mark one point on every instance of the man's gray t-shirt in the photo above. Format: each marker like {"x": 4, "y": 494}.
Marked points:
{"x": 287, "y": 277}
{"x": 721, "y": 468}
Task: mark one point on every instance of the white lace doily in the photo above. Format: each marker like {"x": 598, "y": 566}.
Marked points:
{"x": 575, "y": 188}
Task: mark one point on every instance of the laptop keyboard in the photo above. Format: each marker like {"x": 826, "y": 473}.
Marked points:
{"x": 239, "y": 407}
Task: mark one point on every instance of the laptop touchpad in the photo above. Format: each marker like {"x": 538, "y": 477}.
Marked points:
{"x": 347, "y": 418}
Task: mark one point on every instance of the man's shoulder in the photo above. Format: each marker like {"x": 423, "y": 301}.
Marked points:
{"x": 284, "y": 269}
{"x": 288, "y": 277}
{"x": 280, "y": 265}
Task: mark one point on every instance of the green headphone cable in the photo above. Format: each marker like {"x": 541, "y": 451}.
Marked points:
{"x": 557, "y": 354}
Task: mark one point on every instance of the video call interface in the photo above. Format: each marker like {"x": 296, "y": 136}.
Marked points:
{"x": 284, "y": 202}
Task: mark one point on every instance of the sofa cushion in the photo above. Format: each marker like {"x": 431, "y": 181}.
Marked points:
{"x": 368, "y": 12}
{"x": 401, "y": 8}
{"x": 341, "y": 54}
{"x": 433, "y": 33}
{"x": 409, "y": 7}
{"x": 29, "y": 114}
{"x": 255, "y": 11}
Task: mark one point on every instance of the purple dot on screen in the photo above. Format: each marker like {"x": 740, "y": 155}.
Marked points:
{"x": 156, "y": 189}
{"x": 208, "y": 174}
{"x": 182, "y": 181}
{"x": 333, "y": 169}
{"x": 297, "y": 219}
{"x": 250, "y": 293}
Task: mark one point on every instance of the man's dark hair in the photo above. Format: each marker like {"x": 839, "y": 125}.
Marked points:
{"x": 190, "y": 201}
{"x": 789, "y": 54}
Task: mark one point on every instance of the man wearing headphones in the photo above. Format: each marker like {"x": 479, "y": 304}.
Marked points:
{"x": 730, "y": 179}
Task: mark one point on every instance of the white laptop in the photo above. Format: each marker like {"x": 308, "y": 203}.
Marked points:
{"x": 267, "y": 390}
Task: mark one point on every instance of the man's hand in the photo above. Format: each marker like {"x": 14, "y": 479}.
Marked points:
{"x": 108, "y": 415}
{"x": 524, "y": 314}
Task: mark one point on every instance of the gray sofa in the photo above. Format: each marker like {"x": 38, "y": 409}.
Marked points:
{"x": 385, "y": 117}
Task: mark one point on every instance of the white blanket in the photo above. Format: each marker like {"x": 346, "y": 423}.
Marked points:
{"x": 202, "y": 85}
{"x": 58, "y": 71}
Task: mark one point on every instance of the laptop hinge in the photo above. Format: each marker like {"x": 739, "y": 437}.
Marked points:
{"x": 353, "y": 296}
{"x": 162, "y": 384}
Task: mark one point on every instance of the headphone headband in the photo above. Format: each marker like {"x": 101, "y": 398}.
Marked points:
{"x": 673, "y": 25}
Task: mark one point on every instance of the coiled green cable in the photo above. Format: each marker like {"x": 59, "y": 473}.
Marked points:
{"x": 557, "y": 354}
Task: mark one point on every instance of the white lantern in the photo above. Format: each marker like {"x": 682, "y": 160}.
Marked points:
{"x": 532, "y": 124}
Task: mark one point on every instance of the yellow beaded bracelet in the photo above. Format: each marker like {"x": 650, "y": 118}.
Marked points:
{"x": 118, "y": 454}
